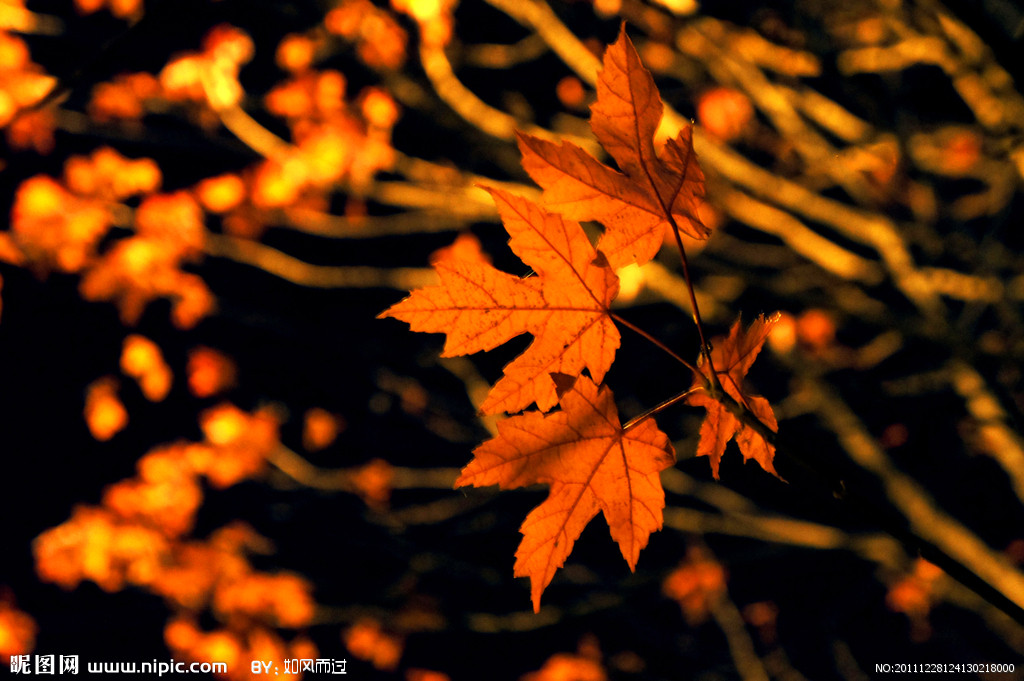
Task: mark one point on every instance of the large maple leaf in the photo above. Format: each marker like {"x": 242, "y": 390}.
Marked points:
{"x": 591, "y": 465}
{"x": 732, "y": 358}
{"x": 650, "y": 194}
{"x": 564, "y": 307}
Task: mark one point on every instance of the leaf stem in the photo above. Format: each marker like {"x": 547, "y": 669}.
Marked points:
{"x": 636, "y": 329}
{"x": 636, "y": 420}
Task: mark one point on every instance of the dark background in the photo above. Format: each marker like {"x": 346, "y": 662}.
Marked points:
{"x": 302, "y": 348}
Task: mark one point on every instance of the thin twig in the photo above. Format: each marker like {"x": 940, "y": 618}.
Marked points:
{"x": 633, "y": 327}
{"x": 636, "y": 420}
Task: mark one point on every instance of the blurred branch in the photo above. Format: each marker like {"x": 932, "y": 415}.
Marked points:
{"x": 995, "y": 436}
{"x": 300, "y": 470}
{"x": 926, "y": 520}
{"x": 741, "y": 647}
{"x": 302, "y": 273}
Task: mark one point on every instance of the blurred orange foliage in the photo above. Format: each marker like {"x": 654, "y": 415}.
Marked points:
{"x": 22, "y": 84}
{"x": 96, "y": 544}
{"x": 210, "y": 77}
{"x": 175, "y": 221}
{"x": 295, "y": 53}
{"x": 373, "y": 483}
{"x": 283, "y": 600}
{"x": 17, "y": 632}
{"x": 335, "y": 142}
{"x": 109, "y": 176}
{"x": 238, "y": 443}
{"x": 568, "y": 667}
{"x": 434, "y": 18}
{"x": 696, "y": 584}
{"x": 142, "y": 360}
{"x": 425, "y": 675}
{"x": 319, "y": 429}
{"x": 816, "y": 329}
{"x": 52, "y": 228}
{"x": 209, "y": 372}
{"x": 914, "y": 594}
{"x": 380, "y": 41}
{"x": 104, "y": 413}
{"x": 235, "y": 647}
{"x": 138, "y": 270}
{"x": 60, "y": 226}
{"x": 221, "y": 193}
{"x": 725, "y": 113}
{"x": 122, "y": 9}
{"x": 367, "y": 640}
{"x": 124, "y": 98}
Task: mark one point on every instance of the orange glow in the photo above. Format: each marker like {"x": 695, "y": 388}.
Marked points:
{"x": 725, "y": 113}
{"x": 224, "y": 425}
{"x": 962, "y": 149}
{"x": 124, "y": 97}
{"x": 366, "y": 640}
{"x": 142, "y": 360}
{"x": 433, "y": 16}
{"x": 373, "y": 483}
{"x": 168, "y": 505}
{"x": 240, "y": 443}
{"x": 783, "y": 337}
{"x": 54, "y": 228}
{"x": 211, "y": 76}
{"x": 696, "y": 584}
{"x": 122, "y": 9}
{"x": 139, "y": 269}
{"x": 33, "y": 130}
{"x": 176, "y": 220}
{"x": 108, "y": 175}
{"x": 914, "y": 595}
{"x": 425, "y": 675}
{"x": 220, "y": 645}
{"x": 104, "y": 413}
{"x": 17, "y": 632}
{"x": 14, "y": 54}
{"x": 229, "y": 43}
{"x": 221, "y": 193}
{"x": 379, "y": 109}
{"x": 568, "y": 667}
{"x": 570, "y": 92}
{"x": 380, "y": 41}
{"x": 283, "y": 600}
{"x": 22, "y": 84}
{"x": 209, "y": 372}
{"x": 234, "y": 646}
{"x": 295, "y": 53}
{"x": 275, "y": 186}
{"x": 182, "y": 78}
{"x": 96, "y": 545}
{"x": 816, "y": 329}
{"x": 319, "y": 429}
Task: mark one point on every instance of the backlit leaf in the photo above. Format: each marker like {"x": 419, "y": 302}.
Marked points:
{"x": 590, "y": 463}
{"x": 564, "y": 307}
{"x": 732, "y": 357}
{"x": 651, "y": 193}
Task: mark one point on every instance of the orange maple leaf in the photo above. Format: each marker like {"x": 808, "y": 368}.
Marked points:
{"x": 732, "y": 357}
{"x": 591, "y": 464}
{"x": 651, "y": 193}
{"x": 565, "y": 307}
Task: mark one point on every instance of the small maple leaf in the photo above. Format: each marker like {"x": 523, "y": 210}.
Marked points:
{"x": 732, "y": 357}
{"x": 565, "y": 307}
{"x": 650, "y": 194}
{"x": 591, "y": 465}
